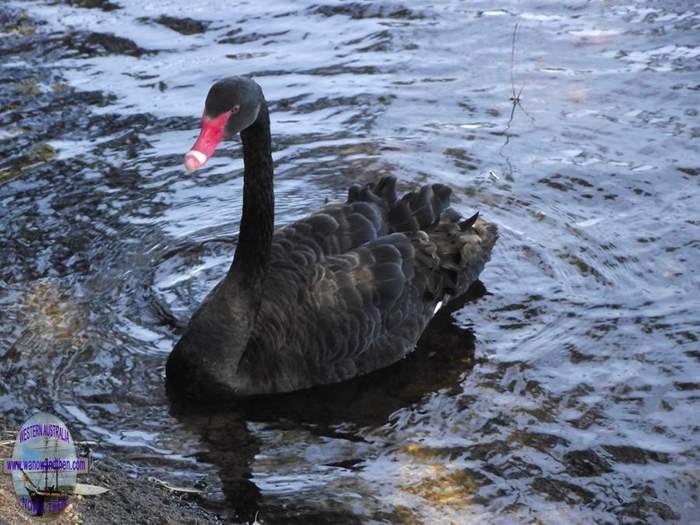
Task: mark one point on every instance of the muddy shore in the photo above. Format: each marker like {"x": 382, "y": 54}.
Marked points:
{"x": 129, "y": 500}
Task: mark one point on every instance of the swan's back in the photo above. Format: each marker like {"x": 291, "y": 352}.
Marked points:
{"x": 351, "y": 288}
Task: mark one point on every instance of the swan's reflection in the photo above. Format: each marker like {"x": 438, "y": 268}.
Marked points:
{"x": 444, "y": 353}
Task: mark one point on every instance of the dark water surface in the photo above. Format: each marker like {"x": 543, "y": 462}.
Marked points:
{"x": 569, "y": 394}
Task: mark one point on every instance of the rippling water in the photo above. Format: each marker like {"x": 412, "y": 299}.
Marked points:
{"x": 568, "y": 394}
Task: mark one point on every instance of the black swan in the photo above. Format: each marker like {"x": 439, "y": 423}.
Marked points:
{"x": 340, "y": 293}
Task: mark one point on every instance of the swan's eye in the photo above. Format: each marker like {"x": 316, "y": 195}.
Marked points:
{"x": 235, "y": 109}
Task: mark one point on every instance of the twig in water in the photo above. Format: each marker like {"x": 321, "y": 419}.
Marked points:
{"x": 515, "y": 99}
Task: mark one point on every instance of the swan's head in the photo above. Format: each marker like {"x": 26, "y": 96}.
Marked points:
{"x": 232, "y": 105}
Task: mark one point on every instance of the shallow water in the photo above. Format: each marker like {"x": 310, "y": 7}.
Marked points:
{"x": 568, "y": 394}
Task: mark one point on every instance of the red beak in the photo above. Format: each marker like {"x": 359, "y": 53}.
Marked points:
{"x": 210, "y": 136}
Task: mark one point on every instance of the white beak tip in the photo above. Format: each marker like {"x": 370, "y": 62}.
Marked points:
{"x": 194, "y": 160}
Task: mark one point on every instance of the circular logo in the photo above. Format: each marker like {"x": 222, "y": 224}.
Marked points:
{"x": 44, "y": 466}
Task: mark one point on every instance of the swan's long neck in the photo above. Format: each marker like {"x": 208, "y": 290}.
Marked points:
{"x": 210, "y": 351}
{"x": 252, "y": 257}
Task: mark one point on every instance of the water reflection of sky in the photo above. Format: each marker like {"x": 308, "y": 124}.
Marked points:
{"x": 581, "y": 405}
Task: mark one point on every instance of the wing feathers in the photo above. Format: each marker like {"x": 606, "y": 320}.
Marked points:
{"x": 351, "y": 288}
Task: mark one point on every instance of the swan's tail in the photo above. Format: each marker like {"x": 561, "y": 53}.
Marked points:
{"x": 456, "y": 248}
{"x": 463, "y": 248}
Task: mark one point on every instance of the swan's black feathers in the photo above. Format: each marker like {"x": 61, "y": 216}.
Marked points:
{"x": 468, "y": 223}
{"x": 340, "y": 293}
{"x": 386, "y": 189}
{"x": 351, "y": 288}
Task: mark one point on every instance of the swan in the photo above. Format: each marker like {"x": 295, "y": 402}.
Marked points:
{"x": 340, "y": 293}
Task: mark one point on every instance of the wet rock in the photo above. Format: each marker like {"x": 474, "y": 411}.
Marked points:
{"x": 427, "y": 454}
{"x": 577, "y": 356}
{"x": 514, "y": 467}
{"x": 235, "y": 36}
{"x": 340, "y": 69}
{"x": 636, "y": 455}
{"x": 102, "y": 44}
{"x": 349, "y": 464}
{"x": 463, "y": 160}
{"x": 28, "y": 87}
{"x": 539, "y": 440}
{"x": 684, "y": 386}
{"x": 584, "y": 463}
{"x": 357, "y": 10}
{"x": 592, "y": 416}
{"x": 375, "y": 43}
{"x": 556, "y": 182}
{"x": 642, "y": 507}
{"x": 305, "y": 515}
{"x": 184, "y": 26}
{"x": 693, "y": 172}
{"x": 454, "y": 489}
{"x": 20, "y": 33}
{"x": 364, "y": 100}
{"x": 104, "y": 5}
{"x": 16, "y": 23}
{"x": 560, "y": 490}
{"x": 44, "y": 115}
{"x": 484, "y": 451}
{"x": 38, "y": 154}
{"x": 400, "y": 515}
{"x": 695, "y": 354}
